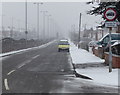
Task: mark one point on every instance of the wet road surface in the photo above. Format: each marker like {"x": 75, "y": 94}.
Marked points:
{"x": 45, "y": 70}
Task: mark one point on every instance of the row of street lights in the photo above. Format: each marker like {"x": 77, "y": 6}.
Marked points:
{"x": 46, "y": 25}
{"x": 38, "y": 18}
{"x": 44, "y": 22}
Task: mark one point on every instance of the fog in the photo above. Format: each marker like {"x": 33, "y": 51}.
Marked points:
{"x": 62, "y": 16}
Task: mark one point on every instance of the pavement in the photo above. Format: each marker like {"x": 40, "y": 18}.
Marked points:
{"x": 89, "y": 66}
{"x": 44, "y": 70}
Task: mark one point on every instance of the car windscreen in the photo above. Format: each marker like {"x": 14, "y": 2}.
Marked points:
{"x": 63, "y": 43}
{"x": 115, "y": 36}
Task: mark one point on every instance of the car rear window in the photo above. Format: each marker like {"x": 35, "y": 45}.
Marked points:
{"x": 115, "y": 36}
{"x": 63, "y": 43}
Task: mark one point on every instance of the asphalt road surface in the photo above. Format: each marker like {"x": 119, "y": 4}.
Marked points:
{"x": 45, "y": 70}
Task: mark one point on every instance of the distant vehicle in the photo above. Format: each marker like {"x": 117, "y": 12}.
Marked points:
{"x": 105, "y": 40}
{"x": 115, "y": 48}
{"x": 63, "y": 45}
{"x": 92, "y": 43}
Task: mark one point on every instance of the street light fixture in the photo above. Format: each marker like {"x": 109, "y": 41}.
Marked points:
{"x": 26, "y": 32}
{"x": 44, "y": 22}
{"x": 37, "y": 3}
{"x": 79, "y": 30}
{"x": 48, "y": 27}
{"x": 53, "y": 27}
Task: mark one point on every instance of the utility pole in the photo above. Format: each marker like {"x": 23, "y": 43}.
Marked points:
{"x": 79, "y": 30}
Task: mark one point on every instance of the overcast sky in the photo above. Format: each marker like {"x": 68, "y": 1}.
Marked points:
{"x": 64, "y": 14}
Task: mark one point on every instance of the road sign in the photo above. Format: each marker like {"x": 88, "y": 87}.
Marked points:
{"x": 109, "y": 24}
{"x": 110, "y": 14}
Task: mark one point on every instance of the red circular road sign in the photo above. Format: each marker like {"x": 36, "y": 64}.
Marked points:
{"x": 110, "y": 14}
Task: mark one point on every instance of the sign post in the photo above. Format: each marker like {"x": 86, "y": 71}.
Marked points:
{"x": 110, "y": 51}
{"x": 110, "y": 15}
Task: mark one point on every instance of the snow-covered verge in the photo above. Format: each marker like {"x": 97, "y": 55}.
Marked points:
{"x": 81, "y": 56}
{"x": 100, "y": 75}
{"x": 22, "y": 50}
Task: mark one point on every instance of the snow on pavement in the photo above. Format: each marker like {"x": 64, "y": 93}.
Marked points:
{"x": 81, "y": 56}
{"x": 101, "y": 75}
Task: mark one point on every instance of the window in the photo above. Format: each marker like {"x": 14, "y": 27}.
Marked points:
{"x": 106, "y": 40}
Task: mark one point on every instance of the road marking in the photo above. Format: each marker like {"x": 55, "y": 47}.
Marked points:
{"x": 24, "y": 63}
{"x": 28, "y": 61}
{"x": 35, "y": 56}
{"x": 11, "y": 72}
{"x": 21, "y": 65}
{"x": 6, "y": 84}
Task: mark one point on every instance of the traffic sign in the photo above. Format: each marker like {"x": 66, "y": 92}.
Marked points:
{"x": 110, "y": 14}
{"x": 109, "y": 24}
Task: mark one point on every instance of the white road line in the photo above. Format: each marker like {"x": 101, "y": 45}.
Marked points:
{"x": 24, "y": 63}
{"x": 28, "y": 61}
{"x": 21, "y": 65}
{"x": 6, "y": 84}
{"x": 35, "y": 56}
{"x": 11, "y": 72}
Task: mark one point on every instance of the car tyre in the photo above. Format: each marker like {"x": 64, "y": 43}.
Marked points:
{"x": 68, "y": 50}
{"x": 58, "y": 50}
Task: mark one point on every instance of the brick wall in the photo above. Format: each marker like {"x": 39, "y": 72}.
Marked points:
{"x": 115, "y": 60}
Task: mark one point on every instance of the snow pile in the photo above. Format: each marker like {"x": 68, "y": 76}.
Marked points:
{"x": 23, "y": 50}
{"x": 81, "y": 56}
{"x": 101, "y": 75}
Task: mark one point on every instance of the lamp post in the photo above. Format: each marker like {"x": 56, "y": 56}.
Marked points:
{"x": 52, "y": 28}
{"x": 26, "y": 32}
{"x": 44, "y": 23}
{"x": 48, "y": 27}
{"x": 11, "y": 32}
{"x": 38, "y": 18}
{"x": 79, "y": 30}
{"x": 2, "y": 20}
